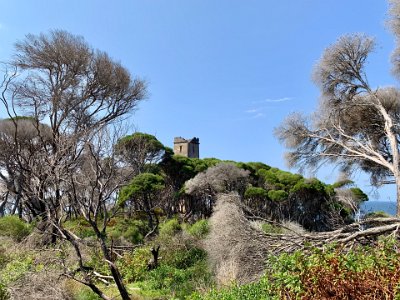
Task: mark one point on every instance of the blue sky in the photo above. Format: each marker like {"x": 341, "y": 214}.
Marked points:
{"x": 226, "y": 71}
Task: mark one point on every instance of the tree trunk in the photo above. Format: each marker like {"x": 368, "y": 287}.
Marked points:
{"x": 113, "y": 268}
{"x": 114, "y": 271}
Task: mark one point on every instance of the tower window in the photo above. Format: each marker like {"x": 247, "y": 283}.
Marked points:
{"x": 180, "y": 149}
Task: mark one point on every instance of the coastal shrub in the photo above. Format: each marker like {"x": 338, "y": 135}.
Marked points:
{"x": 377, "y": 214}
{"x": 14, "y": 227}
{"x": 364, "y": 273}
{"x": 80, "y": 227}
{"x": 170, "y": 227}
{"x": 133, "y": 266}
{"x": 16, "y": 268}
{"x": 4, "y": 294}
{"x": 182, "y": 265}
{"x": 86, "y": 293}
{"x": 270, "y": 228}
{"x": 131, "y": 230}
{"x": 199, "y": 229}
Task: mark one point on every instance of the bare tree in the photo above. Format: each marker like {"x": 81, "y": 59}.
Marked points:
{"x": 356, "y": 126}
{"x": 222, "y": 178}
{"x": 62, "y": 158}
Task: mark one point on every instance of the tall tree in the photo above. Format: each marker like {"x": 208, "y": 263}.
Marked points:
{"x": 356, "y": 125}
{"x": 81, "y": 95}
{"x": 139, "y": 150}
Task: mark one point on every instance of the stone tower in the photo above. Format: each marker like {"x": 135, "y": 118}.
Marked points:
{"x": 188, "y": 148}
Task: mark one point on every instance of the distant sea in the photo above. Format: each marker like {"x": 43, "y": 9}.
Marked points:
{"x": 388, "y": 207}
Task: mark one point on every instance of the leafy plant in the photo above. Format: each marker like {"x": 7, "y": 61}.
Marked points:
{"x": 170, "y": 227}
{"x": 199, "y": 229}
{"x": 14, "y": 227}
{"x": 16, "y": 268}
{"x": 4, "y": 294}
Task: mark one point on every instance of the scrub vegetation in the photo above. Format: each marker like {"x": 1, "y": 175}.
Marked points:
{"x": 89, "y": 210}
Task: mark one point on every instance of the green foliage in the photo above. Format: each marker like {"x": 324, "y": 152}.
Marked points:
{"x": 144, "y": 183}
{"x": 269, "y": 176}
{"x": 278, "y": 195}
{"x": 14, "y": 227}
{"x": 133, "y": 266}
{"x": 4, "y": 294}
{"x": 151, "y": 142}
{"x": 129, "y": 229}
{"x": 4, "y": 258}
{"x": 362, "y": 273}
{"x": 254, "y": 291}
{"x": 86, "y": 293}
{"x": 182, "y": 268}
{"x": 269, "y": 228}
{"x": 178, "y": 283}
{"x": 170, "y": 228}
{"x": 310, "y": 184}
{"x": 255, "y": 192}
{"x": 183, "y": 259}
{"x": 278, "y": 179}
{"x": 342, "y": 183}
{"x": 97, "y": 262}
{"x": 258, "y": 165}
{"x": 359, "y": 195}
{"x": 199, "y": 230}
{"x": 80, "y": 227}
{"x": 17, "y": 266}
{"x": 377, "y": 214}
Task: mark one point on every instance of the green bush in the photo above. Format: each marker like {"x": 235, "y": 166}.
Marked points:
{"x": 4, "y": 294}
{"x": 182, "y": 266}
{"x": 14, "y": 227}
{"x": 199, "y": 229}
{"x": 377, "y": 214}
{"x": 278, "y": 195}
{"x": 86, "y": 293}
{"x": 178, "y": 282}
{"x": 3, "y": 257}
{"x": 131, "y": 230}
{"x": 16, "y": 268}
{"x": 80, "y": 227}
{"x": 185, "y": 258}
{"x": 170, "y": 228}
{"x": 269, "y": 228}
{"x": 363, "y": 273}
{"x": 133, "y": 266}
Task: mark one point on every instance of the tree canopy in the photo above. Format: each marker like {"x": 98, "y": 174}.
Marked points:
{"x": 355, "y": 125}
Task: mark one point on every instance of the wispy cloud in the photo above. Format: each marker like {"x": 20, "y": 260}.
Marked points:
{"x": 254, "y": 110}
{"x": 255, "y": 113}
{"x": 258, "y": 115}
{"x": 259, "y": 107}
{"x": 273, "y": 100}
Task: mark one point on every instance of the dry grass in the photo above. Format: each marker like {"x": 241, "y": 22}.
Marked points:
{"x": 236, "y": 250}
{"x": 43, "y": 285}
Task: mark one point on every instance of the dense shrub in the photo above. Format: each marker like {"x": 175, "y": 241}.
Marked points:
{"x": 4, "y": 294}
{"x": 133, "y": 266}
{"x": 129, "y": 229}
{"x": 85, "y": 293}
{"x": 14, "y": 227}
{"x": 199, "y": 229}
{"x": 80, "y": 227}
{"x": 269, "y": 228}
{"x": 377, "y": 214}
{"x": 170, "y": 227}
{"x": 16, "y": 268}
{"x": 360, "y": 274}
{"x": 182, "y": 266}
